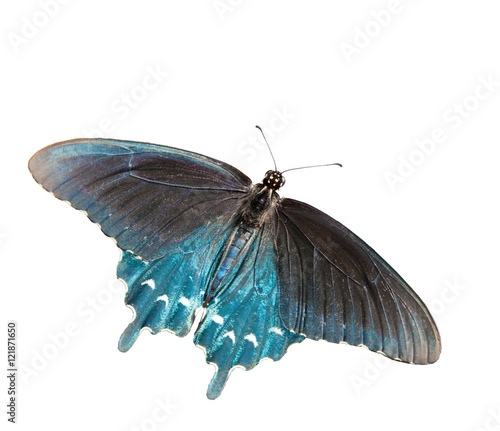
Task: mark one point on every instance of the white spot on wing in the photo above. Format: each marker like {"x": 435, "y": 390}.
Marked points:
{"x": 184, "y": 301}
{"x": 218, "y": 319}
{"x": 252, "y": 339}
{"x": 151, "y": 283}
{"x": 163, "y": 298}
{"x": 276, "y": 331}
{"x": 230, "y": 334}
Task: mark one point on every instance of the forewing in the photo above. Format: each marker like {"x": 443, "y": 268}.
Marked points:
{"x": 334, "y": 287}
{"x": 149, "y": 198}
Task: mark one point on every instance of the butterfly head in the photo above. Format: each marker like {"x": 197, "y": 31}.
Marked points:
{"x": 274, "y": 180}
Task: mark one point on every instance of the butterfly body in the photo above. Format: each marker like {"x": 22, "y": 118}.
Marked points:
{"x": 260, "y": 205}
{"x": 255, "y": 210}
{"x": 237, "y": 246}
{"x": 269, "y": 272}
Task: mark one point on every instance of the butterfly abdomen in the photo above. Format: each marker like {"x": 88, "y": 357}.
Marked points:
{"x": 234, "y": 249}
{"x": 253, "y": 213}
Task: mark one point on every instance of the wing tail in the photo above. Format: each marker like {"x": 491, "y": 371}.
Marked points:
{"x": 166, "y": 293}
{"x": 242, "y": 326}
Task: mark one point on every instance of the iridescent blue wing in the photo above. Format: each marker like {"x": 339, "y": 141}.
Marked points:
{"x": 165, "y": 293}
{"x": 149, "y": 198}
{"x": 169, "y": 210}
{"x": 334, "y": 287}
{"x": 241, "y": 326}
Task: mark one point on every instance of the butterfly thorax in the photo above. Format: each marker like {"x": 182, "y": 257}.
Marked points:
{"x": 259, "y": 205}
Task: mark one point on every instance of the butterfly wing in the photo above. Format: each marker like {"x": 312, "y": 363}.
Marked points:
{"x": 169, "y": 210}
{"x": 242, "y": 326}
{"x": 149, "y": 198}
{"x": 165, "y": 293}
{"x": 334, "y": 287}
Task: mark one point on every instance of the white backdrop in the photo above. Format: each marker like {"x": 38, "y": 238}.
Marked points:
{"x": 406, "y": 94}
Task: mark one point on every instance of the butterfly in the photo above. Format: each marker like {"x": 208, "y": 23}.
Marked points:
{"x": 267, "y": 272}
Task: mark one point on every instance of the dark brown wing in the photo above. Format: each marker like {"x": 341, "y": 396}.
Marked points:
{"x": 149, "y": 198}
{"x": 335, "y": 287}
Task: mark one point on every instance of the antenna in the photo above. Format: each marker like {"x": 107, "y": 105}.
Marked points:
{"x": 314, "y": 166}
{"x": 268, "y": 146}
{"x": 292, "y": 169}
